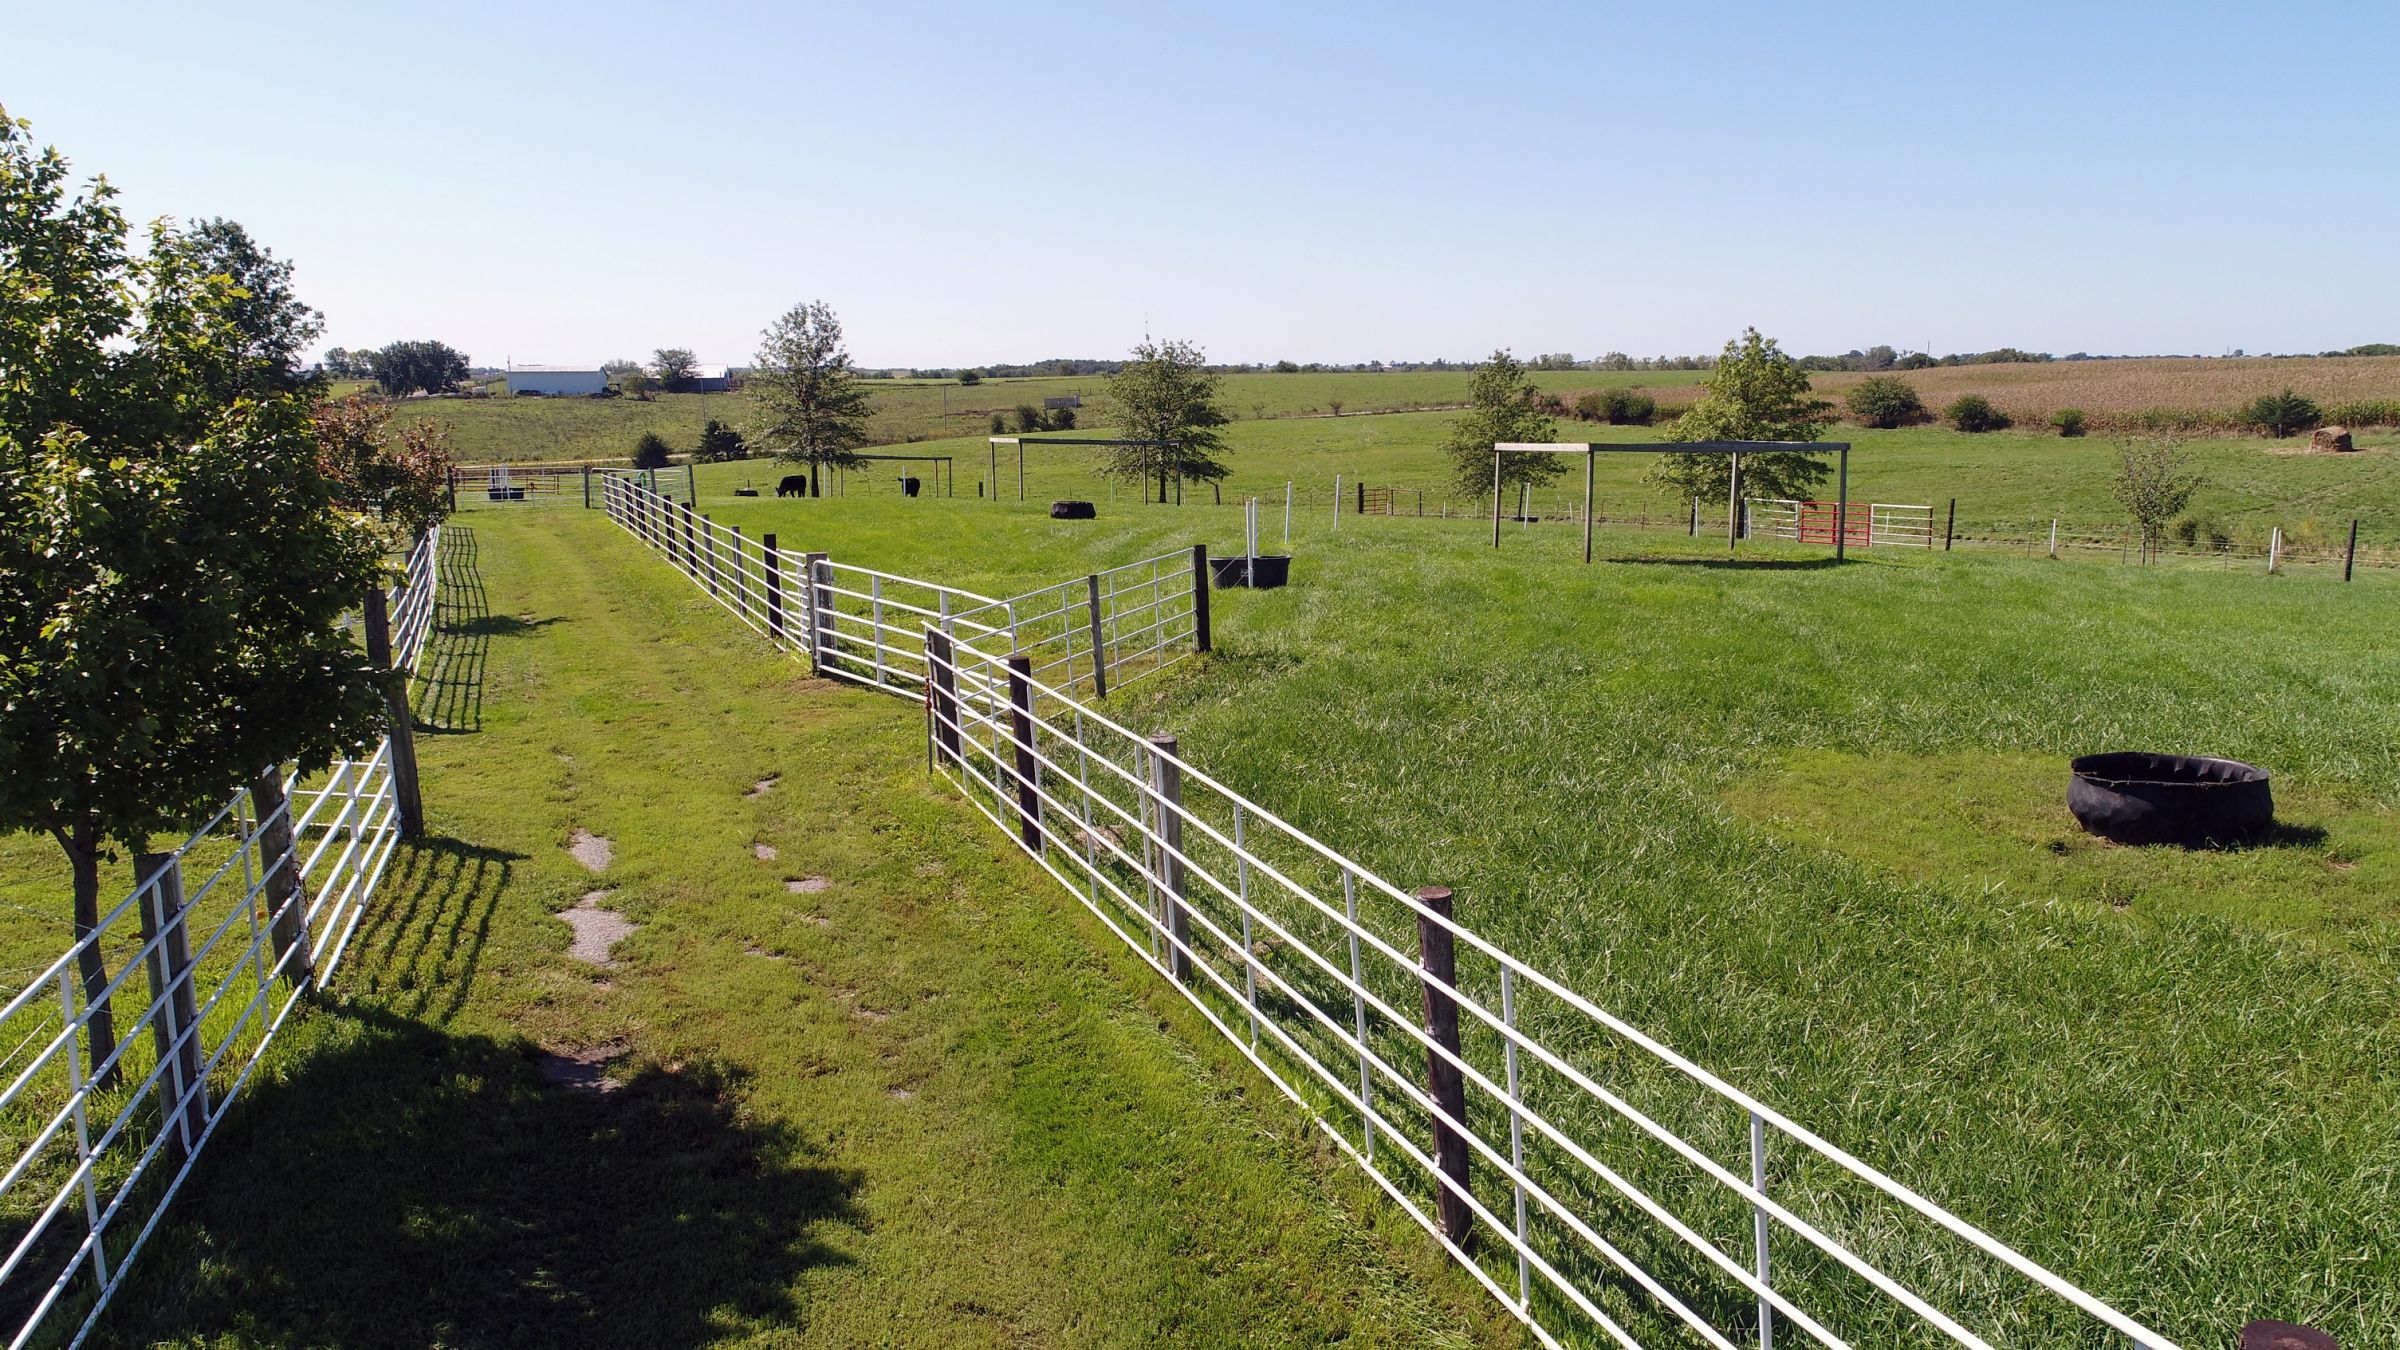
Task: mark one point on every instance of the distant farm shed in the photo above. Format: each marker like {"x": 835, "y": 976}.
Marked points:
{"x": 555, "y": 379}
{"x": 711, "y": 379}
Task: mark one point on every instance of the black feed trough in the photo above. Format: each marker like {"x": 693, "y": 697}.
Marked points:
{"x": 1262, "y": 573}
{"x": 1072, "y": 511}
{"x": 2132, "y": 797}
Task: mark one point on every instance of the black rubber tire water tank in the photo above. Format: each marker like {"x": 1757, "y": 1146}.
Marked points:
{"x": 1072, "y": 511}
{"x": 2134, "y": 797}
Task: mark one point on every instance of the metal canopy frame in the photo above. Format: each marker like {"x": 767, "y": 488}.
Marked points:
{"x": 1592, "y": 450}
{"x": 1019, "y": 442}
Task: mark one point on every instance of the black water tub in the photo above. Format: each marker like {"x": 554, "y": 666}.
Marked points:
{"x": 2133, "y": 797}
{"x": 1072, "y": 511}
{"x": 1262, "y": 573}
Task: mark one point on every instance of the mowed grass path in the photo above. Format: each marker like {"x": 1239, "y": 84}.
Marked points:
{"x": 926, "y": 1104}
{"x": 1807, "y": 824}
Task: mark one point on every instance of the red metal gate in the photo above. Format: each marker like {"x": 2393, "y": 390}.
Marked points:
{"x": 1818, "y": 520}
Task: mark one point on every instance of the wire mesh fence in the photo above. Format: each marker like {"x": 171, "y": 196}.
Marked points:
{"x": 1603, "y": 1187}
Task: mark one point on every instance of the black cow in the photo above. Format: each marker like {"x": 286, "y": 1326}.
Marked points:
{"x": 908, "y": 487}
{"x": 793, "y": 485}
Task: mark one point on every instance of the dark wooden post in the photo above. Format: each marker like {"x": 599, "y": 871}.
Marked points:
{"x": 691, "y": 484}
{"x": 707, "y": 572}
{"x": 691, "y": 558}
{"x": 183, "y": 1101}
{"x": 1733, "y": 502}
{"x": 1362, "y": 496}
{"x": 941, "y": 666}
{"x": 766, "y": 546}
{"x": 1591, "y": 459}
{"x": 1166, "y": 789}
{"x": 587, "y": 487}
{"x": 2350, "y": 555}
{"x": 279, "y": 862}
{"x": 1445, "y": 1082}
{"x": 1099, "y": 641}
{"x": 1200, "y": 639}
{"x": 741, "y": 593}
{"x": 453, "y": 489}
{"x": 400, "y": 724}
{"x": 1020, "y": 731}
{"x": 1841, "y": 511}
{"x": 1950, "y": 525}
{"x": 1495, "y": 496}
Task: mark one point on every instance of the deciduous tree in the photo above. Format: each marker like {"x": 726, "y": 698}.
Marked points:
{"x": 675, "y": 368}
{"x": 274, "y": 325}
{"x": 2154, "y": 483}
{"x": 174, "y": 569}
{"x": 1165, "y": 394}
{"x": 404, "y": 368}
{"x": 1504, "y": 406}
{"x": 398, "y": 474}
{"x": 1754, "y": 393}
{"x": 810, "y": 403}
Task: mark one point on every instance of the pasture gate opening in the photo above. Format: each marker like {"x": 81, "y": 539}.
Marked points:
{"x": 1596, "y": 1182}
{"x": 1809, "y": 522}
{"x": 230, "y": 928}
{"x": 1020, "y": 442}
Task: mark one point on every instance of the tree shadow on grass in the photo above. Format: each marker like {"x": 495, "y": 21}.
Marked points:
{"x": 405, "y": 1186}
{"x": 422, "y": 938}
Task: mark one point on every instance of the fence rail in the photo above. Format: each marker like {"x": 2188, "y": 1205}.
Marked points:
{"x": 230, "y": 928}
{"x": 1595, "y": 1181}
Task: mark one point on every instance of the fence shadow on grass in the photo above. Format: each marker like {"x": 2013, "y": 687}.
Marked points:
{"x": 421, "y": 942}
{"x": 406, "y": 1186}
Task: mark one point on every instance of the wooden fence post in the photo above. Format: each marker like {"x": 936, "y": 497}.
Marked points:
{"x": 279, "y": 863}
{"x": 587, "y": 487}
{"x": 1950, "y": 525}
{"x": 1020, "y": 731}
{"x": 1099, "y": 641}
{"x": 774, "y": 587}
{"x": 1166, "y": 788}
{"x": 691, "y": 556}
{"x": 942, "y": 666}
{"x": 453, "y": 489}
{"x": 741, "y": 592}
{"x": 1437, "y": 958}
{"x": 691, "y": 484}
{"x": 2350, "y": 555}
{"x": 176, "y": 1027}
{"x": 708, "y": 572}
{"x": 1200, "y": 642}
{"x": 400, "y": 723}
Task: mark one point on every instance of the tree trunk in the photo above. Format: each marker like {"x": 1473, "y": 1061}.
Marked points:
{"x": 83, "y": 854}
{"x": 813, "y": 489}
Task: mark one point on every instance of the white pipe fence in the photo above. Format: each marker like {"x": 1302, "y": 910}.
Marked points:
{"x": 285, "y": 871}
{"x": 1602, "y": 1186}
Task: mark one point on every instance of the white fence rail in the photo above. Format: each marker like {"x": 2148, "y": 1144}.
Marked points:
{"x": 229, "y": 929}
{"x": 1602, "y": 1186}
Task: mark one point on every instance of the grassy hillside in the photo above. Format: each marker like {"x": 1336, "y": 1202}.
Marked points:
{"x": 2005, "y": 482}
{"x": 1806, "y": 824}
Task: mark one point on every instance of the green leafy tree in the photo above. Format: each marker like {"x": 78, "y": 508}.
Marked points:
{"x": 970, "y": 377}
{"x": 1030, "y": 419}
{"x": 1884, "y": 401}
{"x": 811, "y": 406}
{"x": 639, "y": 383}
{"x": 261, "y": 306}
{"x": 403, "y": 368}
{"x": 1754, "y": 393}
{"x": 1165, "y": 393}
{"x": 2069, "y": 421}
{"x": 675, "y": 368}
{"x": 620, "y": 367}
{"x": 1974, "y": 413}
{"x": 174, "y": 569}
{"x": 651, "y": 451}
{"x": 1503, "y": 405}
{"x": 2154, "y": 482}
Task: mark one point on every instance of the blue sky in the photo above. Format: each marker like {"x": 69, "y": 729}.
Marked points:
{"x": 1318, "y": 182}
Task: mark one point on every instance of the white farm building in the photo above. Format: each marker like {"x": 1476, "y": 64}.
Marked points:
{"x": 556, "y": 379}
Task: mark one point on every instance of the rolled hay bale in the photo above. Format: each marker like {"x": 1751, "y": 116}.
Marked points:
{"x": 2331, "y": 440}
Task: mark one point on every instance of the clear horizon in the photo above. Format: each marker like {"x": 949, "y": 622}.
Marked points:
{"x": 1337, "y": 185}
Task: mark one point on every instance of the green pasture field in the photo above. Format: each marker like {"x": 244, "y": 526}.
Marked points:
{"x": 1807, "y": 824}
{"x": 915, "y": 1101}
{"x": 2005, "y": 482}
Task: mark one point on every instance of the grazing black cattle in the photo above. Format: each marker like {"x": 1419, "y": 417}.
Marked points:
{"x": 793, "y": 485}
{"x": 908, "y": 487}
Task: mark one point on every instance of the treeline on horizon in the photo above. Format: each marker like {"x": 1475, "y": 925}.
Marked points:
{"x": 1869, "y": 360}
